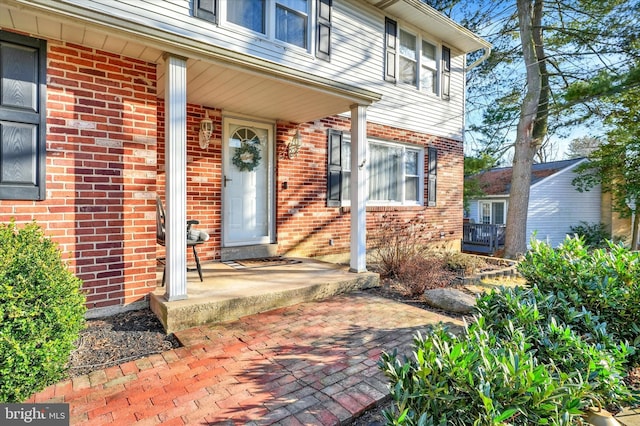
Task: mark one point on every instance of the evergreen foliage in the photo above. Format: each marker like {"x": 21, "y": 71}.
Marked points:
{"x": 41, "y": 312}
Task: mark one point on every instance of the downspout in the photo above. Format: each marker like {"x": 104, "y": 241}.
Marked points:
{"x": 485, "y": 55}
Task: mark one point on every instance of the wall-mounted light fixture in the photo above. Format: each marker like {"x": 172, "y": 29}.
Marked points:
{"x": 293, "y": 146}
{"x": 206, "y": 129}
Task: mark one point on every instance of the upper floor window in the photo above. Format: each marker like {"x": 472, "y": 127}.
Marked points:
{"x": 429, "y": 68}
{"x": 247, "y": 13}
{"x": 283, "y": 20}
{"x": 418, "y": 61}
{"x": 292, "y": 21}
{"x": 287, "y": 21}
{"x": 408, "y": 58}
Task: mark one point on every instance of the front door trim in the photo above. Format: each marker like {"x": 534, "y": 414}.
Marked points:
{"x": 232, "y": 122}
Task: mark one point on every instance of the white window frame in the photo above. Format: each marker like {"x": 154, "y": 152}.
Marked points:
{"x": 346, "y": 170}
{"x": 270, "y": 24}
{"x": 415, "y": 59}
{"x": 434, "y": 66}
{"x": 490, "y": 204}
{"x": 431, "y": 67}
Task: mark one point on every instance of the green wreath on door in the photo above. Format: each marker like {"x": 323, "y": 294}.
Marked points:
{"x": 247, "y": 157}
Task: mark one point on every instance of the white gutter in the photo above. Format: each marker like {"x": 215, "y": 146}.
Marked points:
{"x": 485, "y": 55}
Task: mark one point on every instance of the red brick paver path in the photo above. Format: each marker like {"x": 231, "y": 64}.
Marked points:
{"x": 314, "y": 363}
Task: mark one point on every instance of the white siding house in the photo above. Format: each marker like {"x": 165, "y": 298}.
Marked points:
{"x": 555, "y": 205}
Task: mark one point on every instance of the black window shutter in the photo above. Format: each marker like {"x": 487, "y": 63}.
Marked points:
{"x": 432, "y": 177}
{"x": 205, "y": 9}
{"x": 22, "y": 117}
{"x": 334, "y": 171}
{"x": 446, "y": 72}
{"x": 390, "y": 49}
{"x": 323, "y": 29}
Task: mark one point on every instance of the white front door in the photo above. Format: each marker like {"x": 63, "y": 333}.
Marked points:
{"x": 247, "y": 182}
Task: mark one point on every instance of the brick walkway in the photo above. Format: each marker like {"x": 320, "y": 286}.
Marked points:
{"x": 314, "y": 363}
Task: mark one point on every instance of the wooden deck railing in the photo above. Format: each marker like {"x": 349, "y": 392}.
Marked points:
{"x": 482, "y": 237}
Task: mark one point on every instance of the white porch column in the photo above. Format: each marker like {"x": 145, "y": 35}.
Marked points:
{"x": 358, "y": 188}
{"x": 176, "y": 176}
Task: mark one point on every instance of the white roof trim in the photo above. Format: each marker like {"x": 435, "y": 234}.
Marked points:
{"x": 559, "y": 172}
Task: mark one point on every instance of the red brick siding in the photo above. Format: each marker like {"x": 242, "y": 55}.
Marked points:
{"x": 204, "y": 177}
{"x": 101, "y": 171}
{"x": 105, "y": 162}
{"x": 306, "y": 226}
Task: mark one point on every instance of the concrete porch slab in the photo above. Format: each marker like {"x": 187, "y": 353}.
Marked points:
{"x": 228, "y": 293}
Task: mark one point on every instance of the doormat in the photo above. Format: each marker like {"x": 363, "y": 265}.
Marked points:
{"x": 260, "y": 262}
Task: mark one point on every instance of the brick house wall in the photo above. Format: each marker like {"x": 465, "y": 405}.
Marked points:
{"x": 105, "y": 164}
{"x": 101, "y": 172}
{"x": 305, "y": 226}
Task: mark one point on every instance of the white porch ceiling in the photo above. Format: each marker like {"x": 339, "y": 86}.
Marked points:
{"x": 241, "y": 91}
{"x": 254, "y": 89}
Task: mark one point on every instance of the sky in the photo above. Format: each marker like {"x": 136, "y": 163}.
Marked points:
{"x": 498, "y": 12}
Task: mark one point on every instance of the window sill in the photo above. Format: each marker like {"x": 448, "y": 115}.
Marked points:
{"x": 347, "y": 209}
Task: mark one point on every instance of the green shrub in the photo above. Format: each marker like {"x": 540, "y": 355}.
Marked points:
{"x": 480, "y": 379}
{"x": 605, "y": 282}
{"x": 594, "y": 235}
{"x": 571, "y": 339}
{"x": 41, "y": 312}
{"x": 527, "y": 358}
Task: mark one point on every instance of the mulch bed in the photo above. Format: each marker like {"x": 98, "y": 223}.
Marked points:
{"x": 114, "y": 340}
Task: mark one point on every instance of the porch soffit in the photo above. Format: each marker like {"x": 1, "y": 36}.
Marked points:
{"x": 216, "y": 77}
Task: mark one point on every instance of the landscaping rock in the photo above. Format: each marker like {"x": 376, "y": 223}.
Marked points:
{"x": 451, "y": 300}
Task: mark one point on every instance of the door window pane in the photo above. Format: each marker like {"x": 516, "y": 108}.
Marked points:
{"x": 498, "y": 213}
{"x": 247, "y": 13}
{"x": 485, "y": 213}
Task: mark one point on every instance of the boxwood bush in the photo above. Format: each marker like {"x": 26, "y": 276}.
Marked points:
{"x": 561, "y": 335}
{"x": 41, "y": 312}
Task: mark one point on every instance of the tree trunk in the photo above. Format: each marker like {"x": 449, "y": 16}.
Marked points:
{"x": 526, "y": 144}
{"x": 634, "y": 231}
